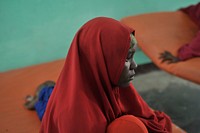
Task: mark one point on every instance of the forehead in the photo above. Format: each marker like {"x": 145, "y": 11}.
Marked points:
{"x": 133, "y": 42}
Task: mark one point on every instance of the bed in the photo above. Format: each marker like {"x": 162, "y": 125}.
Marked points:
{"x": 14, "y": 86}
{"x": 160, "y": 31}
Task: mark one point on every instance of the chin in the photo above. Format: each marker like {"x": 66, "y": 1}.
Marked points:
{"x": 125, "y": 85}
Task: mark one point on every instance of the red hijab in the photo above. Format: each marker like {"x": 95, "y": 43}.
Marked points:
{"x": 86, "y": 97}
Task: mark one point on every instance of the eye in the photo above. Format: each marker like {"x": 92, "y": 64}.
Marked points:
{"x": 130, "y": 55}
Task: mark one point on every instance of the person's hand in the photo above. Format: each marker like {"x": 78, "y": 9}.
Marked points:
{"x": 166, "y": 56}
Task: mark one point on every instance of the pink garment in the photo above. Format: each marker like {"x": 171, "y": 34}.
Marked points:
{"x": 191, "y": 49}
{"x": 193, "y": 12}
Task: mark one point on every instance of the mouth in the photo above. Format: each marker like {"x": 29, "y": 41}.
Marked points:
{"x": 131, "y": 77}
{"x": 132, "y": 74}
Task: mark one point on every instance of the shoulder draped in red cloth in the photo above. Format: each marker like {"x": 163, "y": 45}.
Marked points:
{"x": 86, "y": 98}
{"x": 191, "y": 49}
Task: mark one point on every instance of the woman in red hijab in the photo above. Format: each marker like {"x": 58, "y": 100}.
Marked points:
{"x": 94, "y": 86}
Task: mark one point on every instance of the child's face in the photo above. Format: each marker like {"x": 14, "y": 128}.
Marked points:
{"x": 128, "y": 71}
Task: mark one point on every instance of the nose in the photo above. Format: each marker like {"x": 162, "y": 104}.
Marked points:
{"x": 133, "y": 64}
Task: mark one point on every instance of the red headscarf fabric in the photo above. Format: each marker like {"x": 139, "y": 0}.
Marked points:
{"x": 86, "y": 97}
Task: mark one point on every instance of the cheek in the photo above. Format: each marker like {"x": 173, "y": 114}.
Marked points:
{"x": 126, "y": 69}
{"x": 127, "y": 64}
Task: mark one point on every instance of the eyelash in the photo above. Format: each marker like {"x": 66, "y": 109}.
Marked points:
{"x": 130, "y": 56}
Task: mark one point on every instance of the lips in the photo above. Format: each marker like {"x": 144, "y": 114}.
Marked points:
{"x": 131, "y": 78}
{"x": 132, "y": 74}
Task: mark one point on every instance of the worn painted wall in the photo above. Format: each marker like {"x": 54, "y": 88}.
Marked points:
{"x": 36, "y": 31}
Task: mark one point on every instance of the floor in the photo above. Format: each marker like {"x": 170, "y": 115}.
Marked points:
{"x": 177, "y": 97}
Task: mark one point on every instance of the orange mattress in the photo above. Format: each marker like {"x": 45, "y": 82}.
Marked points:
{"x": 157, "y": 32}
{"x": 14, "y": 86}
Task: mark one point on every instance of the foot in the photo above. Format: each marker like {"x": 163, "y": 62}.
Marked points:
{"x": 31, "y": 100}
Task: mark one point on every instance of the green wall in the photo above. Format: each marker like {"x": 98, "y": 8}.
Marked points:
{"x": 37, "y": 31}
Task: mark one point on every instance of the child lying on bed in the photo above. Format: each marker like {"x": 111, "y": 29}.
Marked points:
{"x": 191, "y": 49}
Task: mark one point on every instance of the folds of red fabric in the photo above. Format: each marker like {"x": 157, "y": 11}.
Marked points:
{"x": 86, "y": 98}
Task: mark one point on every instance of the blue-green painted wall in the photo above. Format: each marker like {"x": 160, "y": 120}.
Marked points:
{"x": 37, "y": 31}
